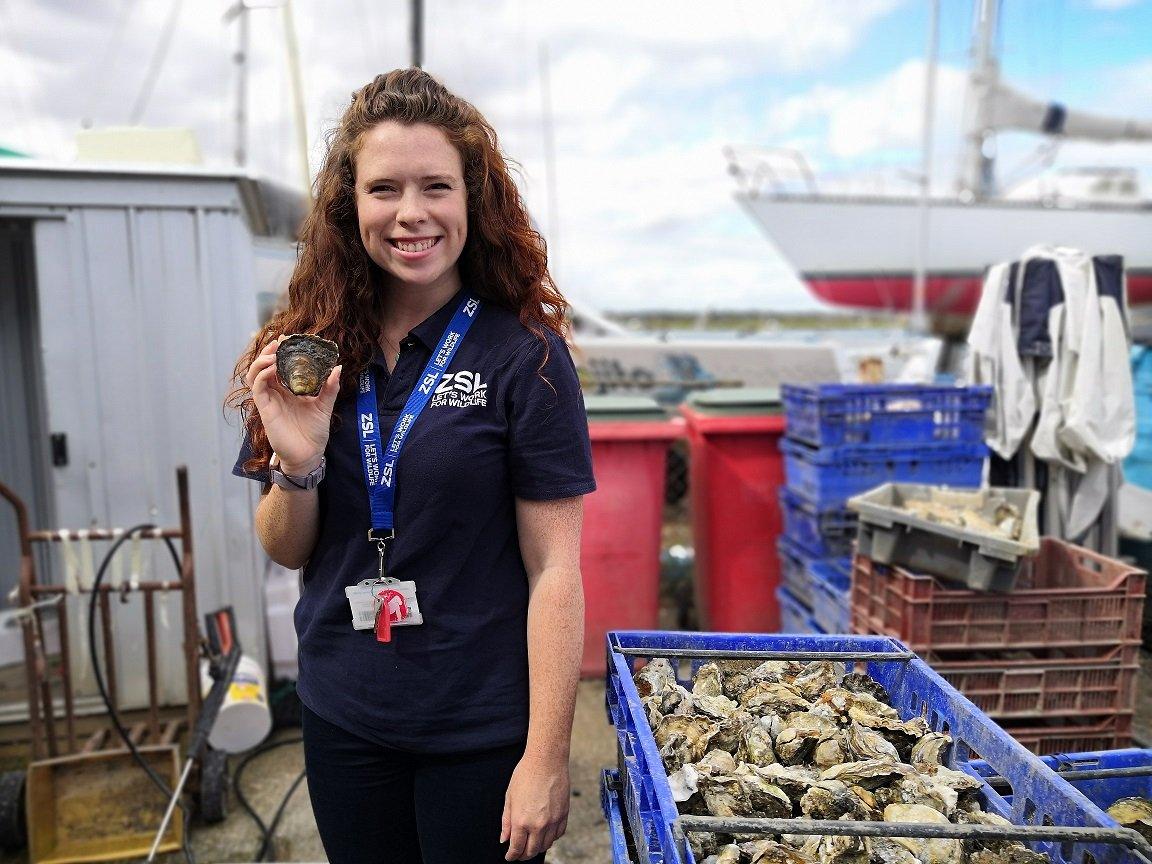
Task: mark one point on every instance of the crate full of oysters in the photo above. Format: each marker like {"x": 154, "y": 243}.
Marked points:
{"x": 778, "y": 749}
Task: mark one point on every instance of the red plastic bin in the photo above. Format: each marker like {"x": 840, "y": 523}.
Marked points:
{"x": 1066, "y": 596}
{"x": 620, "y": 543}
{"x": 736, "y": 471}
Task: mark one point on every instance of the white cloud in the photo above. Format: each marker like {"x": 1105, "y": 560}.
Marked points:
{"x": 1113, "y": 4}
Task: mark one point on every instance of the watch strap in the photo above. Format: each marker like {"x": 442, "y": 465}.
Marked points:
{"x": 294, "y": 483}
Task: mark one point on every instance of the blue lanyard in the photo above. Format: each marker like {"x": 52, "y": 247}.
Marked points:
{"x": 380, "y": 464}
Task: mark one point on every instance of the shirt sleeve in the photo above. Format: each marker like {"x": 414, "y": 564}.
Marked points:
{"x": 245, "y": 455}
{"x": 549, "y": 452}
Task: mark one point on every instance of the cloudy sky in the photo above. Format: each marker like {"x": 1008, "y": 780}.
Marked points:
{"x": 644, "y": 97}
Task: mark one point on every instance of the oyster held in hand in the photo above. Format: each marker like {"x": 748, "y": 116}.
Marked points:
{"x": 303, "y": 362}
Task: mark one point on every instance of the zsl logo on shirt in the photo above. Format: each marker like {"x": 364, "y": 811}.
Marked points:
{"x": 461, "y": 390}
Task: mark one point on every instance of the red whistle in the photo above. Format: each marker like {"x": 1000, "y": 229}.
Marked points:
{"x": 384, "y": 614}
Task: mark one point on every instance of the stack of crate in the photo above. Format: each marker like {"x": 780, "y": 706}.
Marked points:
{"x": 843, "y": 439}
{"x": 1054, "y": 661}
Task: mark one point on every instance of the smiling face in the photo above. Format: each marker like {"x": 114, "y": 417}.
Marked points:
{"x": 412, "y": 206}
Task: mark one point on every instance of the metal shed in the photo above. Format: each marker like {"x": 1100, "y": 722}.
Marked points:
{"x": 126, "y": 295}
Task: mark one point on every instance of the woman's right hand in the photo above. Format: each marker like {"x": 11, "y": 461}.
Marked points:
{"x": 297, "y": 426}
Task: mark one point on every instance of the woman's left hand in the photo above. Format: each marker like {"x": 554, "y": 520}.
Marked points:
{"x": 535, "y": 807}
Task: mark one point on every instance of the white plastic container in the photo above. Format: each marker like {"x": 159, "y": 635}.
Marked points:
{"x": 281, "y": 594}
{"x": 244, "y": 719}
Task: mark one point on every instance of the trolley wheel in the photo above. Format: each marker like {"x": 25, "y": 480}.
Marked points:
{"x": 214, "y": 786}
{"x": 13, "y": 824}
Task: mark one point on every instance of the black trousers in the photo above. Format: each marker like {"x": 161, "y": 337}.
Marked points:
{"x": 377, "y": 805}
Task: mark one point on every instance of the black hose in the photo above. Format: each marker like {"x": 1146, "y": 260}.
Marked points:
{"x": 266, "y": 831}
{"x": 112, "y": 713}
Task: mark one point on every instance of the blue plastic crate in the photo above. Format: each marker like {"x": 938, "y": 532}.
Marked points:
{"x": 828, "y": 415}
{"x": 794, "y": 569}
{"x": 831, "y": 581}
{"x": 795, "y": 617}
{"x": 610, "y": 802}
{"x": 1039, "y": 796}
{"x": 1103, "y": 792}
{"x": 828, "y": 533}
{"x": 829, "y": 476}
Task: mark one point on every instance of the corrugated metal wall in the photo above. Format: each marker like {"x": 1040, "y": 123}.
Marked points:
{"x": 146, "y": 299}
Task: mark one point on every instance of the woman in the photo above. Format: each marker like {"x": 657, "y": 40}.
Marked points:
{"x": 440, "y": 732}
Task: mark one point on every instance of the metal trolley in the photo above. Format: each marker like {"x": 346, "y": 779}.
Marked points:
{"x": 63, "y": 754}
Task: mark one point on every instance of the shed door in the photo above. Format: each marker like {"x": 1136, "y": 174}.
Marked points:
{"x": 23, "y": 438}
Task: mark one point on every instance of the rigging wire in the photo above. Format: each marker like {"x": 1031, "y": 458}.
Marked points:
{"x": 156, "y": 63}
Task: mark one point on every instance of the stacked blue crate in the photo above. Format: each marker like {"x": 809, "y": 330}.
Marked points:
{"x": 844, "y": 439}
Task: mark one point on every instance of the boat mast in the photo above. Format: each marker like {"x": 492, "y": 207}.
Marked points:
{"x": 417, "y": 35}
{"x": 977, "y": 178}
{"x": 919, "y": 322}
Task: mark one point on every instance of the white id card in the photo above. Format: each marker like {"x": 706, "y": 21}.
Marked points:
{"x": 366, "y": 596}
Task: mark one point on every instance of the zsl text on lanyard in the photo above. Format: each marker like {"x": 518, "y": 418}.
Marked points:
{"x": 391, "y": 599}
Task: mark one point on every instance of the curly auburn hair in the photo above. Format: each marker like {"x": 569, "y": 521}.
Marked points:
{"x": 336, "y": 289}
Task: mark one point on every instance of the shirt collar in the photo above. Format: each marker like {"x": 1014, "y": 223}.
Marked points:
{"x": 432, "y": 328}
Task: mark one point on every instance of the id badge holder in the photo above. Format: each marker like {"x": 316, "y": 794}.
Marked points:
{"x": 368, "y": 597}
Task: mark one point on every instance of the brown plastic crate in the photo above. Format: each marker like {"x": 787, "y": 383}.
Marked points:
{"x": 1065, "y": 596}
{"x": 1065, "y": 736}
{"x": 1035, "y": 683}
{"x": 1048, "y": 686}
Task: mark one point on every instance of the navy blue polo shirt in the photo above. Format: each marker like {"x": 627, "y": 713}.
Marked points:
{"x": 495, "y": 430}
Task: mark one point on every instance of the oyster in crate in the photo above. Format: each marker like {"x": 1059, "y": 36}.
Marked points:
{"x": 926, "y": 850}
{"x": 1135, "y": 813}
{"x": 785, "y": 739}
{"x": 304, "y": 361}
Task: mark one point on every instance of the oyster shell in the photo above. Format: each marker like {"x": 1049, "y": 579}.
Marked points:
{"x": 1135, "y": 813}
{"x": 793, "y": 781}
{"x": 916, "y": 788}
{"x": 716, "y": 763}
{"x": 867, "y": 773}
{"x": 771, "y": 852}
{"x": 928, "y": 752}
{"x": 766, "y": 798}
{"x": 304, "y": 361}
{"x": 684, "y": 782}
{"x": 707, "y": 681}
{"x": 839, "y": 849}
{"x": 683, "y": 739}
{"x": 817, "y": 678}
{"x": 702, "y": 843}
{"x": 832, "y": 750}
{"x": 885, "y": 850}
{"x": 773, "y": 697}
{"x": 777, "y": 670}
{"x": 719, "y": 707}
{"x": 727, "y": 854}
{"x": 927, "y": 851}
{"x": 756, "y": 743}
{"x": 799, "y": 735}
{"x": 654, "y": 677}
{"x": 856, "y": 682}
{"x": 832, "y": 799}
{"x": 724, "y": 796}
{"x": 864, "y": 743}
{"x": 1009, "y": 853}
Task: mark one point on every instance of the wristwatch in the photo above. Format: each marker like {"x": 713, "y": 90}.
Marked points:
{"x": 297, "y": 484}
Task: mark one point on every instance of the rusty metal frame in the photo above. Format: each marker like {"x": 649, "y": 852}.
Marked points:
{"x": 47, "y": 741}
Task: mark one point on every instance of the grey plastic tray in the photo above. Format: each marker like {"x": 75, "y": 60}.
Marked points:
{"x": 889, "y": 533}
